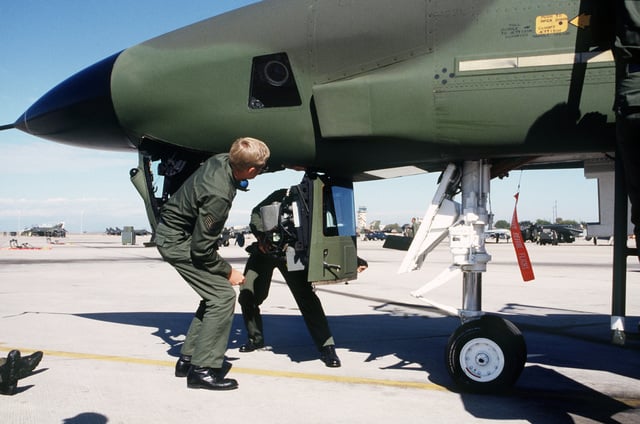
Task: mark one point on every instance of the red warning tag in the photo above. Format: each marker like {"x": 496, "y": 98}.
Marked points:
{"x": 518, "y": 243}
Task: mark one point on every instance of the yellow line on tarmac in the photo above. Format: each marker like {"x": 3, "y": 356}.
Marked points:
{"x": 341, "y": 379}
{"x": 252, "y": 371}
{"x": 632, "y": 403}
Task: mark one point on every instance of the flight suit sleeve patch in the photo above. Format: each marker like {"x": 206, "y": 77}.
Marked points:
{"x": 209, "y": 223}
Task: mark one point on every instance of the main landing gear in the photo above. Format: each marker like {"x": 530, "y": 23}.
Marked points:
{"x": 486, "y": 353}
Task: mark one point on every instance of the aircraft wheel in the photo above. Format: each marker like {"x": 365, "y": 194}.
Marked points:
{"x": 486, "y": 355}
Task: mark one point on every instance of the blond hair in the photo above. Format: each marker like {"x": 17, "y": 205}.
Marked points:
{"x": 247, "y": 152}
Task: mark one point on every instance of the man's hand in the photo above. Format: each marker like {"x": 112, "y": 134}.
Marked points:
{"x": 236, "y": 278}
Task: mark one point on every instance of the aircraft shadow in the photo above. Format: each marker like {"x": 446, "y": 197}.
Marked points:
{"x": 418, "y": 342}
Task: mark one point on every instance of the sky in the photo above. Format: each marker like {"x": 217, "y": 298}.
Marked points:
{"x": 43, "y": 42}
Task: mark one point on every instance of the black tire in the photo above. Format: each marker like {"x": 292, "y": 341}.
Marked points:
{"x": 486, "y": 355}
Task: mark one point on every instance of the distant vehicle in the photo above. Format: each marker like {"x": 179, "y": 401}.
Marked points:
{"x": 564, "y": 233}
{"x": 240, "y": 239}
{"x": 46, "y": 231}
{"x": 547, "y": 236}
{"x": 497, "y": 235}
{"x": 223, "y": 240}
{"x": 375, "y": 235}
{"x": 118, "y": 232}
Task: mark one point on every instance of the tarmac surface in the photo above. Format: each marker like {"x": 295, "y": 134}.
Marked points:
{"x": 110, "y": 319}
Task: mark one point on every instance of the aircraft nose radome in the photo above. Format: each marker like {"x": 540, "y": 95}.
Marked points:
{"x": 79, "y": 111}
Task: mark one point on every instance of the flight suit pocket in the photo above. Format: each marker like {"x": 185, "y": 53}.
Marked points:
{"x": 173, "y": 247}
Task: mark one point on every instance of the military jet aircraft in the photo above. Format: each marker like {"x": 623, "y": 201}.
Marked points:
{"x": 359, "y": 90}
{"x": 113, "y": 231}
{"x": 57, "y": 230}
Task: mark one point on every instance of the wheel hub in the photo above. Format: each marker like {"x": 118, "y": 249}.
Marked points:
{"x": 482, "y": 360}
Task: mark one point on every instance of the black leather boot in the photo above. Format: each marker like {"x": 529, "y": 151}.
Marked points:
{"x": 9, "y": 373}
{"x": 28, "y": 363}
{"x": 209, "y": 378}
{"x": 250, "y": 346}
{"x": 183, "y": 365}
{"x": 329, "y": 356}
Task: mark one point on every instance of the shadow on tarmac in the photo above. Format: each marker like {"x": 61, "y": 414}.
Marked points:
{"x": 86, "y": 418}
{"x": 418, "y": 342}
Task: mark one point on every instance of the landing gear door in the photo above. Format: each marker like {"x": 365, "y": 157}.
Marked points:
{"x": 142, "y": 180}
{"x": 332, "y": 246}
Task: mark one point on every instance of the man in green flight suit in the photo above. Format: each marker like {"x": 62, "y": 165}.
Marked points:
{"x": 627, "y": 100}
{"x": 258, "y": 272}
{"x": 186, "y": 237}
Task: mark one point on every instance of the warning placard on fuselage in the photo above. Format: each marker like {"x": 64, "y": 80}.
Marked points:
{"x": 552, "y": 24}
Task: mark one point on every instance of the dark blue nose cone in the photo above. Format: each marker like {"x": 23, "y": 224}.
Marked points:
{"x": 79, "y": 111}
